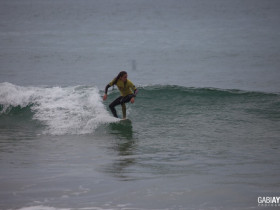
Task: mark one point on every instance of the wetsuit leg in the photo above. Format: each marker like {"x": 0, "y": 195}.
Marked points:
{"x": 113, "y": 104}
{"x": 124, "y": 100}
{"x": 124, "y": 110}
{"x": 120, "y": 100}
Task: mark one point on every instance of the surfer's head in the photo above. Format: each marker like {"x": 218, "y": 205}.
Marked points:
{"x": 122, "y": 76}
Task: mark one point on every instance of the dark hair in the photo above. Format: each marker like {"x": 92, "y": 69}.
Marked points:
{"x": 119, "y": 76}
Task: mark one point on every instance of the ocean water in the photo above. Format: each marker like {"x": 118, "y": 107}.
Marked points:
{"x": 204, "y": 131}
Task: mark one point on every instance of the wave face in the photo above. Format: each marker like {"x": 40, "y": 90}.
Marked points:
{"x": 80, "y": 110}
{"x": 68, "y": 110}
{"x": 176, "y": 101}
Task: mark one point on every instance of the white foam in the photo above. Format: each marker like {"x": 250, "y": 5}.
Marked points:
{"x": 64, "y": 110}
{"x": 12, "y": 96}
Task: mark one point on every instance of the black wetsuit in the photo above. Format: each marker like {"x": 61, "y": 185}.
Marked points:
{"x": 126, "y": 95}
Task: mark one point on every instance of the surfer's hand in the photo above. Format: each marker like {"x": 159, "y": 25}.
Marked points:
{"x": 132, "y": 100}
{"x": 105, "y": 97}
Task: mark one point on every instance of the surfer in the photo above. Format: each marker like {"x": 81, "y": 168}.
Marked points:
{"x": 128, "y": 93}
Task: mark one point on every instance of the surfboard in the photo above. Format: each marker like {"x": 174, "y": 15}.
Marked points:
{"x": 125, "y": 121}
{"x": 121, "y": 125}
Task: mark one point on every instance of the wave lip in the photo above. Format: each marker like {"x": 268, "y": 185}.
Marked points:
{"x": 67, "y": 110}
{"x": 12, "y": 96}
{"x": 211, "y": 91}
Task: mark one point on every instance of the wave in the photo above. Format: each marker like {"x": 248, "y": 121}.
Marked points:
{"x": 63, "y": 110}
{"x": 207, "y": 91}
{"x": 167, "y": 103}
{"x": 80, "y": 109}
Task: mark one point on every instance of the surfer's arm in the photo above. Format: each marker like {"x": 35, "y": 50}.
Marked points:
{"x": 134, "y": 95}
{"x": 113, "y": 82}
{"x": 135, "y": 92}
{"x": 106, "y": 90}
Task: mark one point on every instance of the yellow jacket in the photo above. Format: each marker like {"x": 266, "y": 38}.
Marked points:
{"x": 125, "y": 88}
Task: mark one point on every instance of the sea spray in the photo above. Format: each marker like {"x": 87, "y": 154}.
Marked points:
{"x": 15, "y": 96}
{"x": 63, "y": 110}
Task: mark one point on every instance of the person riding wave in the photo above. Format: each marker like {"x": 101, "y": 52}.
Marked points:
{"x": 128, "y": 93}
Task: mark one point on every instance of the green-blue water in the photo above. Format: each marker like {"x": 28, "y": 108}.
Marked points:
{"x": 184, "y": 148}
{"x": 204, "y": 131}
